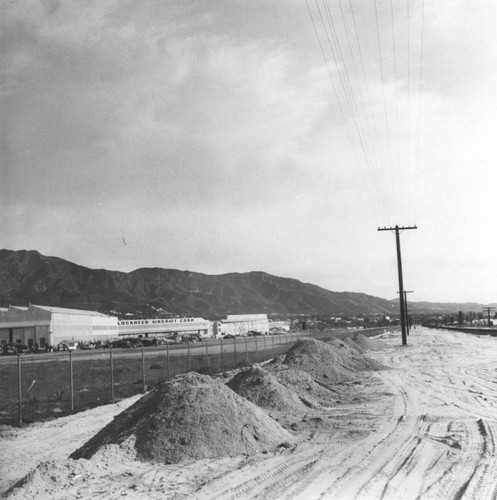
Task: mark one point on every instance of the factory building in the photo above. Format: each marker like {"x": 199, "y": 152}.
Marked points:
{"x": 167, "y": 327}
{"x": 49, "y": 326}
{"x": 241, "y": 324}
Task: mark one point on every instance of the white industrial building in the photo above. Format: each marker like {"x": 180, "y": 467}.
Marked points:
{"x": 49, "y": 326}
{"x": 241, "y": 324}
{"x": 165, "y": 327}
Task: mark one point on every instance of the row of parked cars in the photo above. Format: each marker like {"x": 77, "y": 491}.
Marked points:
{"x": 128, "y": 343}
{"x": 15, "y": 349}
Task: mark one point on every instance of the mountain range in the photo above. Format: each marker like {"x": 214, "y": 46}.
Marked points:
{"x": 26, "y": 276}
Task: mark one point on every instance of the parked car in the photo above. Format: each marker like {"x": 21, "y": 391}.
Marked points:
{"x": 136, "y": 342}
{"x": 146, "y": 342}
{"x": 99, "y": 344}
{"x": 67, "y": 345}
{"x": 229, "y": 336}
{"x": 88, "y": 346}
{"x": 14, "y": 349}
{"x": 126, "y": 344}
{"x": 164, "y": 341}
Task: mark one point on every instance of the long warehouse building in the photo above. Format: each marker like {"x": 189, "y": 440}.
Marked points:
{"x": 49, "y": 326}
{"x": 165, "y": 327}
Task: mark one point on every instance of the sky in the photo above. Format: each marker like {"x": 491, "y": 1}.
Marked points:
{"x": 232, "y": 136}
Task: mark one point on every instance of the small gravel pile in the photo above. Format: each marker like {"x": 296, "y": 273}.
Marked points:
{"x": 311, "y": 393}
{"x": 263, "y": 389}
{"x": 191, "y": 417}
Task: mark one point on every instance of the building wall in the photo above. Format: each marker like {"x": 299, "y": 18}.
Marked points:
{"x": 241, "y": 325}
{"x": 165, "y": 326}
{"x": 82, "y": 328}
{"x": 49, "y": 326}
{"x": 23, "y": 325}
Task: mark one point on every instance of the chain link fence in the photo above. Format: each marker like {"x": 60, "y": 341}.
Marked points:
{"x": 38, "y": 387}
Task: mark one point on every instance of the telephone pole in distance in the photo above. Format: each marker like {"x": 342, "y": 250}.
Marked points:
{"x": 397, "y": 230}
{"x": 488, "y": 311}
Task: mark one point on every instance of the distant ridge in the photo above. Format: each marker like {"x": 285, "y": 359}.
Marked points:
{"x": 26, "y": 276}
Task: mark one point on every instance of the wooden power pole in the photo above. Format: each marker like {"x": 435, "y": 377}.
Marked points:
{"x": 488, "y": 310}
{"x": 407, "y": 311}
{"x": 397, "y": 230}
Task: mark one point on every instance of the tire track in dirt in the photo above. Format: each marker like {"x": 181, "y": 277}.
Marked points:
{"x": 357, "y": 468}
{"x": 265, "y": 475}
{"x": 59, "y": 440}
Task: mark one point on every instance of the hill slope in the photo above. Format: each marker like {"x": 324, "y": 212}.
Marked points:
{"x": 29, "y": 277}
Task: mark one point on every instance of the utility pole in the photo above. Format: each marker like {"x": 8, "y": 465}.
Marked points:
{"x": 397, "y": 230}
{"x": 405, "y": 309}
{"x": 407, "y": 312}
{"x": 488, "y": 310}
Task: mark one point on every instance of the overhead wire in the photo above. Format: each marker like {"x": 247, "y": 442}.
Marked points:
{"x": 329, "y": 29}
{"x": 420, "y": 103}
{"x": 368, "y": 132}
{"x": 372, "y": 147}
{"x": 355, "y": 113}
{"x": 408, "y": 32}
{"x": 368, "y": 92}
{"x": 400, "y": 178}
{"x": 339, "y": 103}
{"x": 385, "y": 111}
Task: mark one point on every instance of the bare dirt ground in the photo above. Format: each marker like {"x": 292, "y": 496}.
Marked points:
{"x": 425, "y": 429}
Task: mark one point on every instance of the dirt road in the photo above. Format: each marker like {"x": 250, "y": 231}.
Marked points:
{"x": 426, "y": 429}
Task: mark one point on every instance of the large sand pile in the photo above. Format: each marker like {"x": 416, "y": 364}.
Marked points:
{"x": 190, "y": 417}
{"x": 263, "y": 389}
{"x": 329, "y": 363}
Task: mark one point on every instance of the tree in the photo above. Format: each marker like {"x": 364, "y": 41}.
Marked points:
{"x": 460, "y": 318}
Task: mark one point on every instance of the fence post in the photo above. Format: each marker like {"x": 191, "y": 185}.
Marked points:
{"x": 256, "y": 350}
{"x": 222, "y": 361}
{"x": 111, "y": 374}
{"x": 189, "y": 358}
{"x": 265, "y": 347}
{"x": 246, "y": 351}
{"x": 207, "y": 356}
{"x": 72, "y": 380}
{"x": 168, "y": 364}
{"x": 19, "y": 381}
{"x": 234, "y": 344}
{"x": 272, "y": 339}
{"x": 143, "y": 371}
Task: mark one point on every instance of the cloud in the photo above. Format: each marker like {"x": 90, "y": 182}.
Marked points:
{"x": 209, "y": 134}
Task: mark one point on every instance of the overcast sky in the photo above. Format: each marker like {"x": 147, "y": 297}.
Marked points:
{"x": 220, "y": 136}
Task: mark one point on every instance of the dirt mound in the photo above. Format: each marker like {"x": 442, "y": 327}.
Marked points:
{"x": 47, "y": 478}
{"x": 299, "y": 381}
{"x": 331, "y": 362}
{"x": 190, "y": 417}
{"x": 365, "y": 343}
{"x": 263, "y": 389}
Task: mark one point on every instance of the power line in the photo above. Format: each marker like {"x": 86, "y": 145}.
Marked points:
{"x": 337, "y": 31}
{"x": 338, "y": 100}
{"x": 387, "y": 128}
{"x": 335, "y": 50}
{"x": 420, "y": 97}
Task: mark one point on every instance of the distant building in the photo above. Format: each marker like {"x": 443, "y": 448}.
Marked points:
{"x": 241, "y": 324}
{"x": 49, "y": 326}
{"x": 165, "y": 327}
